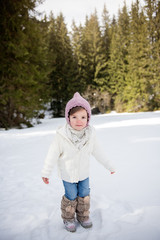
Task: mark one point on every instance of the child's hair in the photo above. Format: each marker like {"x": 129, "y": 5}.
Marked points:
{"x": 76, "y": 109}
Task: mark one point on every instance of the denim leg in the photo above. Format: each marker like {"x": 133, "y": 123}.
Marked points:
{"x": 71, "y": 190}
{"x": 83, "y": 188}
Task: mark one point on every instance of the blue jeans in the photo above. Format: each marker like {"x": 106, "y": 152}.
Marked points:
{"x": 73, "y": 190}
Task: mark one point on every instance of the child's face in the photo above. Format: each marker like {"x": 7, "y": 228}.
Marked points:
{"x": 78, "y": 120}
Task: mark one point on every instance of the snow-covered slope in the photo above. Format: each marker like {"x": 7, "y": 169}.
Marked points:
{"x": 124, "y": 206}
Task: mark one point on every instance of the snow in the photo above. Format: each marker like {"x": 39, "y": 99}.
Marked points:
{"x": 124, "y": 206}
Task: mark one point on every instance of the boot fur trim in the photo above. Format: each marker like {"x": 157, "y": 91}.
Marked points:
{"x": 68, "y": 209}
{"x": 83, "y": 206}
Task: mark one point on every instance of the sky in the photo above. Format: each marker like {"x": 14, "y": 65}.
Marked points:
{"x": 78, "y": 9}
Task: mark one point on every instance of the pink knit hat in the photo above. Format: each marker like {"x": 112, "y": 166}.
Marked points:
{"x": 77, "y": 101}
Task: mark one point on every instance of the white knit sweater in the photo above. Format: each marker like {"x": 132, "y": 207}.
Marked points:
{"x": 73, "y": 163}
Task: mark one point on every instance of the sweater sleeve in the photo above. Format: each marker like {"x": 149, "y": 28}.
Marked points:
{"x": 100, "y": 155}
{"x": 51, "y": 158}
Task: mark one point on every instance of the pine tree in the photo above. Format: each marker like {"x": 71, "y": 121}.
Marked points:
{"x": 157, "y": 58}
{"x": 62, "y": 65}
{"x": 93, "y": 50}
{"x": 152, "y": 9}
{"x": 94, "y": 63}
{"x": 106, "y": 32}
{"x": 118, "y": 63}
{"x": 76, "y": 40}
{"x": 138, "y": 91}
{"x": 21, "y": 69}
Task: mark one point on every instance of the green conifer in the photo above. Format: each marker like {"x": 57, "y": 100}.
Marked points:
{"x": 21, "y": 70}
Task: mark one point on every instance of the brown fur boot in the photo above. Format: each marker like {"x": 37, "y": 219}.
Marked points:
{"x": 83, "y": 206}
{"x": 68, "y": 209}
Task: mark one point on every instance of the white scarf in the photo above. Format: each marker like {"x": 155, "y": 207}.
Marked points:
{"x": 78, "y": 138}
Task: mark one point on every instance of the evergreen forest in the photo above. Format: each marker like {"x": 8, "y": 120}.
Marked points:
{"x": 114, "y": 62}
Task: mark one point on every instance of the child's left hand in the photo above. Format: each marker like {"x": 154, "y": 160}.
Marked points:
{"x": 112, "y": 172}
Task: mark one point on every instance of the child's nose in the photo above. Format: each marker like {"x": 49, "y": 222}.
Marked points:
{"x": 78, "y": 120}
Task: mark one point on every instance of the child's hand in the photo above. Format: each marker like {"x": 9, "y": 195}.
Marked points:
{"x": 112, "y": 172}
{"x": 45, "y": 180}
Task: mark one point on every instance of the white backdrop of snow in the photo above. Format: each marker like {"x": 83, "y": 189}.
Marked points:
{"x": 124, "y": 206}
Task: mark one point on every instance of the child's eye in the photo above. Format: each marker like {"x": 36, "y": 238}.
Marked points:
{"x": 83, "y": 117}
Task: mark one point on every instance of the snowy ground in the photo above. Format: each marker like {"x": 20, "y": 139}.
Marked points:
{"x": 124, "y": 206}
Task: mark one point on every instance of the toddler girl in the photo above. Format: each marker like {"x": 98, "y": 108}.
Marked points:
{"x": 71, "y": 150}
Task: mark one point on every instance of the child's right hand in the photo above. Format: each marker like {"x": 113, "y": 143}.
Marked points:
{"x": 45, "y": 180}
